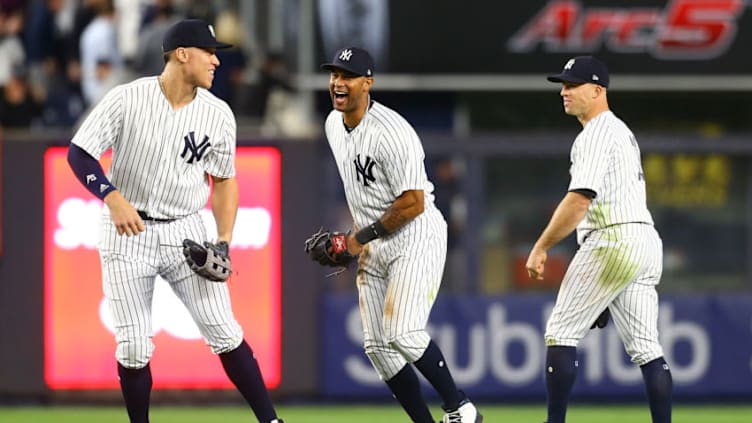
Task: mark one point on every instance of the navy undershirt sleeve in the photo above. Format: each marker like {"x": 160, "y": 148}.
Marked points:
{"x": 584, "y": 191}
{"x": 88, "y": 170}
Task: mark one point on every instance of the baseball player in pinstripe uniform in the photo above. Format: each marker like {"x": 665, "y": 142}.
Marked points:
{"x": 169, "y": 136}
{"x": 620, "y": 258}
{"x": 400, "y": 235}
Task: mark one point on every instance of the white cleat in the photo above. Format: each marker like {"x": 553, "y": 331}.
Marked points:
{"x": 465, "y": 413}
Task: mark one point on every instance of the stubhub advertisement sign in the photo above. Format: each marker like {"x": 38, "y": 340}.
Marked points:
{"x": 494, "y": 347}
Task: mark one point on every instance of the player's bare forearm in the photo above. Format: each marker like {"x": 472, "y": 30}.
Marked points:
{"x": 225, "y": 200}
{"x": 405, "y": 208}
{"x": 568, "y": 214}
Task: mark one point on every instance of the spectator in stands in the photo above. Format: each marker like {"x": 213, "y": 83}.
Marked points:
{"x": 11, "y": 48}
{"x": 274, "y": 100}
{"x": 273, "y": 75}
{"x": 148, "y": 59}
{"x": 201, "y": 10}
{"x": 228, "y": 78}
{"x": 99, "y": 46}
{"x": 63, "y": 101}
{"x": 450, "y": 200}
{"x": 41, "y": 39}
{"x": 83, "y": 14}
{"x": 48, "y": 23}
{"x": 18, "y": 108}
{"x": 110, "y": 76}
{"x": 127, "y": 27}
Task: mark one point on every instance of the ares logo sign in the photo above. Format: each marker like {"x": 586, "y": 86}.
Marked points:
{"x": 684, "y": 30}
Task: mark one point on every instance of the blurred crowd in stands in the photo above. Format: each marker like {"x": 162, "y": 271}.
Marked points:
{"x": 58, "y": 57}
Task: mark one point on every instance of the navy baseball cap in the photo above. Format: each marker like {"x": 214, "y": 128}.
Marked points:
{"x": 583, "y": 69}
{"x": 352, "y": 59}
{"x": 191, "y": 33}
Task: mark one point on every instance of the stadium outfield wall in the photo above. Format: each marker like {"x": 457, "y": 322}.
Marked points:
{"x": 494, "y": 340}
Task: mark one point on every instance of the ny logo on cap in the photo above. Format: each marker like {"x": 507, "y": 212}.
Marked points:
{"x": 345, "y": 55}
{"x": 211, "y": 29}
{"x": 569, "y": 64}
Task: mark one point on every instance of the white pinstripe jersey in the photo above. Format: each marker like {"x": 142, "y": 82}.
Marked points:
{"x": 161, "y": 156}
{"x": 378, "y": 160}
{"x": 605, "y": 158}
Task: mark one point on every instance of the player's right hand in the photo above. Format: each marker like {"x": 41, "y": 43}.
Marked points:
{"x": 536, "y": 263}
{"x": 124, "y": 216}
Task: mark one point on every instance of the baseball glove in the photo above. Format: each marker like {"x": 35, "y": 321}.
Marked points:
{"x": 329, "y": 249}
{"x": 602, "y": 320}
{"x": 211, "y": 261}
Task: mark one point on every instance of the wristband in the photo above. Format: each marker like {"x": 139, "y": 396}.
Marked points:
{"x": 371, "y": 232}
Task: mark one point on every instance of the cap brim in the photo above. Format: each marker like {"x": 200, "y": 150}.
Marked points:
{"x": 560, "y": 77}
{"x": 216, "y": 45}
{"x": 330, "y": 66}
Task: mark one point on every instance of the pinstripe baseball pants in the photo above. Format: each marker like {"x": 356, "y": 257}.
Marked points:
{"x": 396, "y": 294}
{"x": 617, "y": 267}
{"x": 129, "y": 268}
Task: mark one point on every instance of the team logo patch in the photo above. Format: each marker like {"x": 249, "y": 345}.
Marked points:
{"x": 193, "y": 150}
{"x": 339, "y": 244}
{"x": 569, "y": 64}
{"x": 345, "y": 55}
{"x": 365, "y": 170}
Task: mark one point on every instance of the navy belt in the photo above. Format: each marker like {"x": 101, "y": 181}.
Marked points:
{"x": 144, "y": 216}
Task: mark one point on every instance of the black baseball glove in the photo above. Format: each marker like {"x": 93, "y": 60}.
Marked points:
{"x": 602, "y": 320}
{"x": 211, "y": 261}
{"x": 329, "y": 249}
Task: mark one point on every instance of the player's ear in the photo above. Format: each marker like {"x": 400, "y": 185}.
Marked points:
{"x": 597, "y": 90}
{"x": 368, "y": 83}
{"x": 181, "y": 54}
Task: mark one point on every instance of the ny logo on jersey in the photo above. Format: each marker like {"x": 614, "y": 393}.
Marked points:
{"x": 196, "y": 150}
{"x": 364, "y": 170}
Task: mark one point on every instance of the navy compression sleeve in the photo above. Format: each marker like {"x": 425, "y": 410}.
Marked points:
{"x": 88, "y": 170}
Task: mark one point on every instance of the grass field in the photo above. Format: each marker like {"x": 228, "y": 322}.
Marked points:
{"x": 368, "y": 414}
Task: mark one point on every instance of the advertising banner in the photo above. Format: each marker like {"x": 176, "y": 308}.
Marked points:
{"x": 79, "y": 340}
{"x": 533, "y": 37}
{"x": 494, "y": 348}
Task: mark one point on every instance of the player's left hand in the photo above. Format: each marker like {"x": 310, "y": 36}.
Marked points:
{"x": 536, "y": 263}
{"x": 353, "y": 246}
{"x": 329, "y": 248}
{"x": 211, "y": 261}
